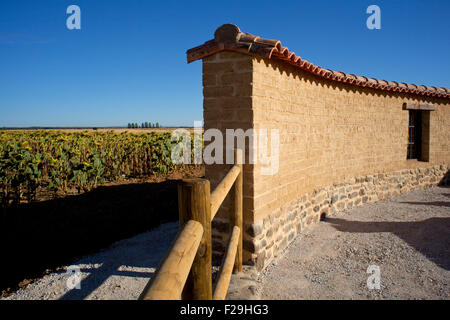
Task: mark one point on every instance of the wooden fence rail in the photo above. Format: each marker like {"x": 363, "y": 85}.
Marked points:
{"x": 227, "y": 266}
{"x": 170, "y": 278}
{"x": 185, "y": 272}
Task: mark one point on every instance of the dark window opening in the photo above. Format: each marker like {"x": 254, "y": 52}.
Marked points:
{"x": 415, "y": 135}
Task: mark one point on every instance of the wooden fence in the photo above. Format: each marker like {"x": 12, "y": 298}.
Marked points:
{"x": 186, "y": 271}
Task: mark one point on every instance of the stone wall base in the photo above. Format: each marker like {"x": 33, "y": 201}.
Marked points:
{"x": 265, "y": 239}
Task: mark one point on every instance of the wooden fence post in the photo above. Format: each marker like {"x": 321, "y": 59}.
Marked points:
{"x": 236, "y": 216}
{"x": 194, "y": 204}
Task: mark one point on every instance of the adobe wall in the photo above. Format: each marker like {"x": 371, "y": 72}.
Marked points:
{"x": 340, "y": 146}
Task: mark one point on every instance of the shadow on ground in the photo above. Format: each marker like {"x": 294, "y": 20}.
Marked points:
{"x": 45, "y": 235}
{"x": 431, "y": 237}
{"x": 136, "y": 257}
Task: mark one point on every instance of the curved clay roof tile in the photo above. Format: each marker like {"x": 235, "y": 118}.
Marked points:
{"x": 247, "y": 37}
{"x": 284, "y": 51}
{"x": 268, "y": 42}
{"x": 361, "y": 78}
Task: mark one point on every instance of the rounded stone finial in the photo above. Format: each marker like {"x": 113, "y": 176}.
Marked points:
{"x": 227, "y": 33}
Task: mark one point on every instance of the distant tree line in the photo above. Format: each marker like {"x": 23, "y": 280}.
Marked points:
{"x": 144, "y": 125}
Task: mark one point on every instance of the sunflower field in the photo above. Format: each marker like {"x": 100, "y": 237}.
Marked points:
{"x": 57, "y": 161}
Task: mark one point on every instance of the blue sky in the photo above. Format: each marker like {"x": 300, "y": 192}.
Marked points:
{"x": 128, "y": 61}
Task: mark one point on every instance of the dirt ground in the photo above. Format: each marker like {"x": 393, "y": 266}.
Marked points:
{"x": 41, "y": 237}
{"x": 406, "y": 237}
{"x": 119, "y": 272}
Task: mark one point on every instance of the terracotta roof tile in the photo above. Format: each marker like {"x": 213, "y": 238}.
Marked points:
{"x": 229, "y": 37}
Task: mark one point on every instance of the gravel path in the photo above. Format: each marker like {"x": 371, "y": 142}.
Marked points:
{"x": 407, "y": 237}
{"x": 120, "y": 272}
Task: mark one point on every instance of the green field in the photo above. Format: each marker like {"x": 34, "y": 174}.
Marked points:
{"x": 54, "y": 161}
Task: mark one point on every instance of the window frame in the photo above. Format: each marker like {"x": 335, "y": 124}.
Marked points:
{"x": 415, "y": 139}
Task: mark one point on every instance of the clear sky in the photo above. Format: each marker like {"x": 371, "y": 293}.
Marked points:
{"x": 128, "y": 61}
